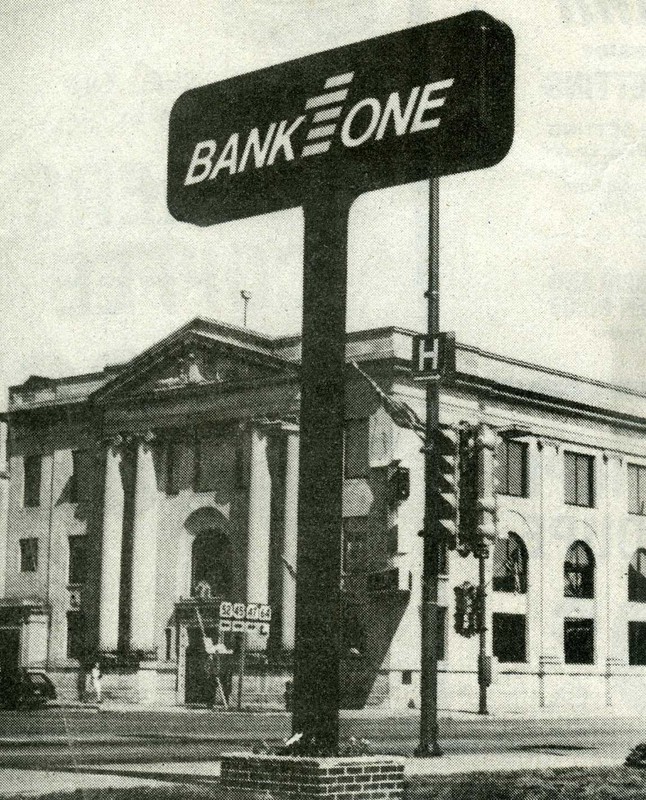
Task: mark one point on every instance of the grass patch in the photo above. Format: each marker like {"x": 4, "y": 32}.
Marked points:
{"x": 616, "y": 783}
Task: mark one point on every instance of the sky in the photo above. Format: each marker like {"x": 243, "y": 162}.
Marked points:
{"x": 541, "y": 256}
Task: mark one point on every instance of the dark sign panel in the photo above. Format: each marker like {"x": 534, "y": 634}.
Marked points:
{"x": 431, "y": 100}
{"x": 433, "y": 355}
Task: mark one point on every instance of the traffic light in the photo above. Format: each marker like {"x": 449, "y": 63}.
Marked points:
{"x": 445, "y": 461}
{"x": 399, "y": 484}
{"x": 486, "y": 528}
{"x": 468, "y": 489}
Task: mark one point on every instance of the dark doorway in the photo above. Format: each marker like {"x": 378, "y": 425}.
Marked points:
{"x": 211, "y": 568}
{"x": 9, "y": 649}
{"x": 201, "y": 672}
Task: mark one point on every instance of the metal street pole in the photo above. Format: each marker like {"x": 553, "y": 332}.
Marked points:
{"x": 483, "y": 677}
{"x": 428, "y": 743}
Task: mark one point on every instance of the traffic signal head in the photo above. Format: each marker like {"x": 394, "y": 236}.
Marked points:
{"x": 445, "y": 460}
{"x": 399, "y": 485}
{"x": 486, "y": 443}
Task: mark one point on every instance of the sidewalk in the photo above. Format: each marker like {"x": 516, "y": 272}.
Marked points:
{"x": 116, "y": 775}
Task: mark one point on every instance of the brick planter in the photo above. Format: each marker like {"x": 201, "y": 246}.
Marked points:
{"x": 336, "y": 778}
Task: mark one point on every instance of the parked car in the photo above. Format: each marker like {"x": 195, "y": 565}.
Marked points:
{"x": 25, "y": 689}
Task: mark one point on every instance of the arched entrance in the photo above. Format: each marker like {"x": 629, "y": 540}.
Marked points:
{"x": 207, "y": 565}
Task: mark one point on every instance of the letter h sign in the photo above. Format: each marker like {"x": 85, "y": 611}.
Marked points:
{"x": 433, "y": 355}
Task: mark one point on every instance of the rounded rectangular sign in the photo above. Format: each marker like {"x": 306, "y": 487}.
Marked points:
{"x": 431, "y": 100}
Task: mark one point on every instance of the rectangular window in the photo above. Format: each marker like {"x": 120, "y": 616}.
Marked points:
{"x": 197, "y": 465}
{"x": 637, "y": 643}
{"x": 511, "y": 468}
{"x": 173, "y": 454}
{"x": 77, "y": 563}
{"x": 169, "y": 644}
{"x": 578, "y": 641}
{"x": 77, "y": 476}
{"x": 509, "y": 638}
{"x": 355, "y": 545}
{"x": 636, "y": 489}
{"x": 29, "y": 555}
{"x": 579, "y": 480}
{"x": 33, "y": 469}
{"x": 75, "y": 635}
{"x": 356, "y": 455}
{"x": 407, "y": 677}
{"x": 441, "y": 633}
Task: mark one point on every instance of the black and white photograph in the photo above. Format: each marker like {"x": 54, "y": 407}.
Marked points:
{"x": 322, "y": 400}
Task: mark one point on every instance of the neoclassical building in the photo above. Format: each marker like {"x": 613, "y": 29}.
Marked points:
{"x": 134, "y": 500}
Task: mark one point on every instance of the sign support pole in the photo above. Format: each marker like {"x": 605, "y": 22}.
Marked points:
{"x": 428, "y": 737}
{"x": 482, "y": 648}
{"x": 320, "y": 513}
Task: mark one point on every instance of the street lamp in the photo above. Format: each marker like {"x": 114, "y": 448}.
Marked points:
{"x": 246, "y": 297}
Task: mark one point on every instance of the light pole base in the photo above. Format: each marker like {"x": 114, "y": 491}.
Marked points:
{"x": 428, "y": 750}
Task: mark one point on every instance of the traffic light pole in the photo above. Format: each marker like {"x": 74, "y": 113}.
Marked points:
{"x": 483, "y": 678}
{"x": 428, "y": 738}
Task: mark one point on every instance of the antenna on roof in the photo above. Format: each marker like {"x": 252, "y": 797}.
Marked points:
{"x": 246, "y": 297}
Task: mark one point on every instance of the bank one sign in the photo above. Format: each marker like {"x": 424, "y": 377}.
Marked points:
{"x": 430, "y": 100}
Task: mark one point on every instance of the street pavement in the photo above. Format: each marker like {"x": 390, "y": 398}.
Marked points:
{"x": 81, "y": 748}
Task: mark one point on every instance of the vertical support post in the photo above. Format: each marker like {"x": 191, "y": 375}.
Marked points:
{"x": 242, "y": 655}
{"x": 428, "y": 736}
{"x": 483, "y": 663}
{"x": 320, "y": 513}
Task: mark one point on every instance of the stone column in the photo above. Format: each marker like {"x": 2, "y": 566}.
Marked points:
{"x": 259, "y": 527}
{"x": 290, "y": 532}
{"x": 616, "y": 564}
{"x": 551, "y": 569}
{"x": 4, "y": 504}
{"x": 111, "y": 547}
{"x": 144, "y": 550}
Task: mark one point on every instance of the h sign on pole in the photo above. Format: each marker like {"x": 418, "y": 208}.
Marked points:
{"x": 317, "y": 132}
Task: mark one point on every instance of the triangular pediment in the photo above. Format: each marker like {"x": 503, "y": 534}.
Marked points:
{"x": 194, "y": 358}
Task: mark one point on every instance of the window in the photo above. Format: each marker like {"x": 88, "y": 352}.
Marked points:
{"x": 579, "y": 480}
{"x": 75, "y": 635}
{"x": 355, "y": 545}
{"x": 33, "y": 465}
{"x": 578, "y": 641}
{"x": 77, "y": 559}
{"x": 169, "y": 644}
{"x": 239, "y": 466}
{"x": 197, "y": 465}
{"x": 636, "y": 489}
{"x": 441, "y": 633}
{"x": 407, "y": 677}
{"x": 509, "y": 635}
{"x": 28, "y": 555}
{"x": 511, "y": 468}
{"x": 442, "y": 558}
{"x": 579, "y": 571}
{"x": 637, "y": 577}
{"x": 76, "y": 477}
{"x": 637, "y": 643}
{"x": 357, "y": 435}
{"x": 510, "y": 565}
{"x": 211, "y": 565}
{"x": 353, "y": 629}
{"x": 173, "y": 454}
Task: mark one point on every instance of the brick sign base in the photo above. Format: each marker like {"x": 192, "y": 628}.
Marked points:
{"x": 337, "y": 778}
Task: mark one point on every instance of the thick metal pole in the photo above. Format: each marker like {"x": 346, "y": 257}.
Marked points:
{"x": 482, "y": 655}
{"x": 428, "y": 737}
{"x": 318, "y": 587}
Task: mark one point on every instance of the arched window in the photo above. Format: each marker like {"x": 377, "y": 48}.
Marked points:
{"x": 579, "y": 571}
{"x": 211, "y": 565}
{"x": 510, "y": 565}
{"x": 637, "y": 577}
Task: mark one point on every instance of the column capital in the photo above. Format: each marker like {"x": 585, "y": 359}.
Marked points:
{"x": 543, "y": 443}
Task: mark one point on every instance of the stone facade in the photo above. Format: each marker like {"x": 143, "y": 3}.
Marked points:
{"x": 135, "y": 498}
